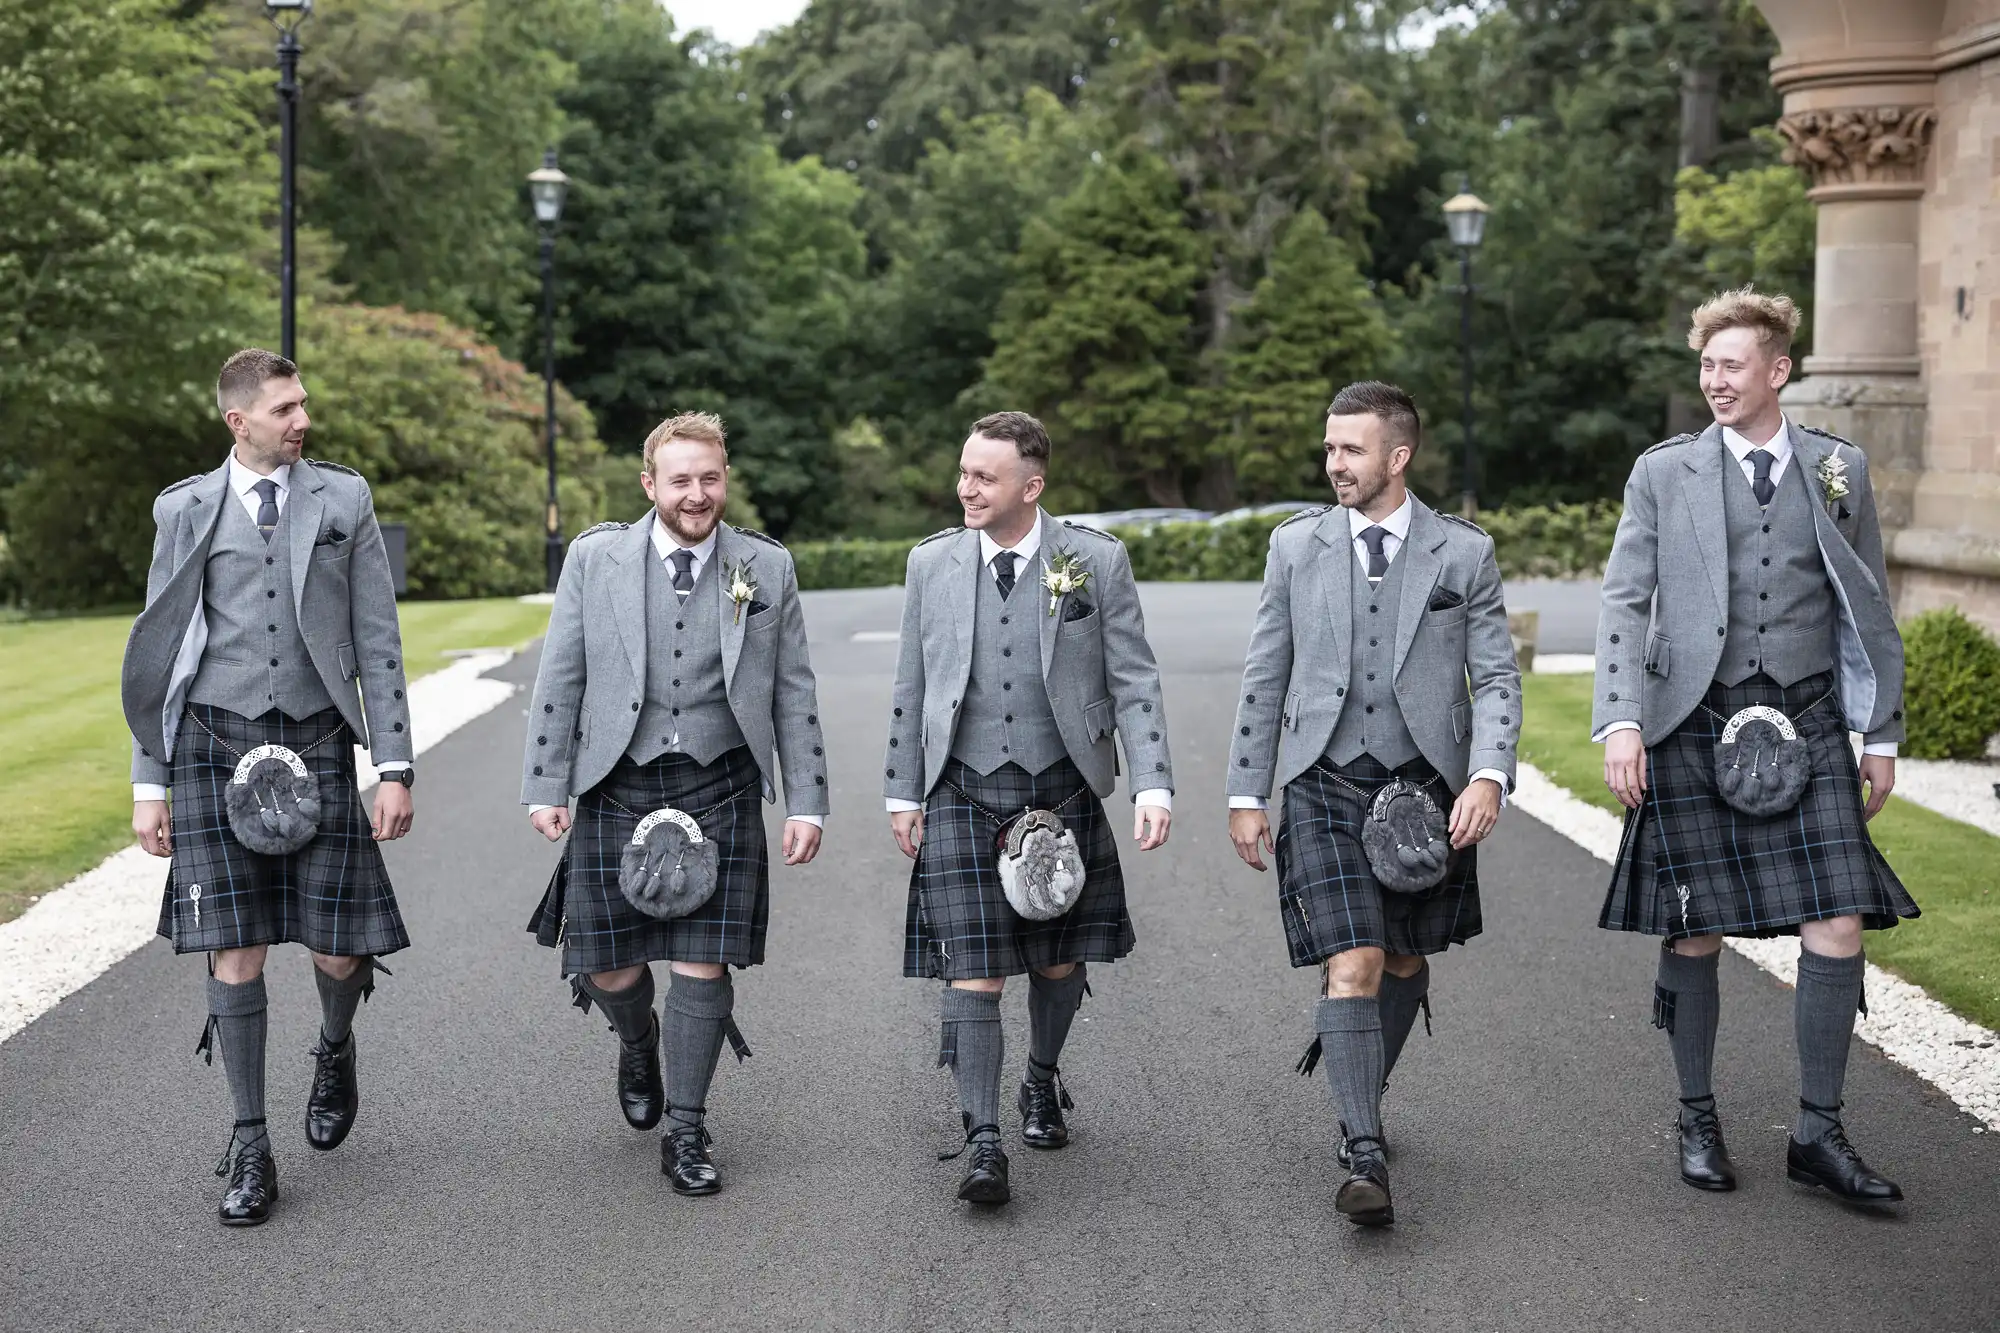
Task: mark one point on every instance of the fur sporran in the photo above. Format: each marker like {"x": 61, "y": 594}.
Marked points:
{"x": 669, "y": 868}
{"x": 1041, "y": 869}
{"x": 1762, "y": 764}
{"x": 273, "y": 801}
{"x": 1406, "y": 839}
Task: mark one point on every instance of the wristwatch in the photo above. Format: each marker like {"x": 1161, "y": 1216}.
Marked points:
{"x": 408, "y": 777}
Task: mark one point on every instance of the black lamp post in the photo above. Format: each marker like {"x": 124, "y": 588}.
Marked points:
{"x": 1465, "y": 218}
{"x": 286, "y": 16}
{"x": 546, "y": 187}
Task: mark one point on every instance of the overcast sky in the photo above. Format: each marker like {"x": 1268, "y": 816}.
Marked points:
{"x": 735, "y": 21}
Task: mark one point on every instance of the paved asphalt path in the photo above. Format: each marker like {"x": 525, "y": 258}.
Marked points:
{"x": 490, "y": 1183}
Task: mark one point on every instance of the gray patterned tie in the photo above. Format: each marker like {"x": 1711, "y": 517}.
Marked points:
{"x": 267, "y": 512}
{"x": 1761, "y": 459}
{"x": 1378, "y": 560}
{"x": 1003, "y": 572}
{"x": 683, "y": 571}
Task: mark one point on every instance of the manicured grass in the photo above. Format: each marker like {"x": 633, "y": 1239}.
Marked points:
{"x": 66, "y": 789}
{"x": 1951, "y": 869}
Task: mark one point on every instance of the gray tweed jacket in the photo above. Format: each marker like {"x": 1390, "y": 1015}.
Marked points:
{"x": 1451, "y": 629}
{"x": 593, "y": 673}
{"x": 1098, "y": 667}
{"x": 341, "y": 592}
{"x": 1666, "y": 588}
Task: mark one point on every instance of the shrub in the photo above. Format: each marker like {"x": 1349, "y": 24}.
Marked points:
{"x": 1951, "y": 686}
{"x": 850, "y": 564}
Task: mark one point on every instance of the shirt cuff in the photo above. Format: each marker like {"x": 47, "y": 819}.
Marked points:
{"x": 1880, "y": 749}
{"x": 1247, "y": 803}
{"x": 396, "y": 767}
{"x": 537, "y": 809}
{"x": 153, "y": 791}
{"x": 901, "y": 807}
{"x": 817, "y": 821}
{"x": 1160, "y": 796}
{"x": 1599, "y": 738}
{"x": 1499, "y": 779}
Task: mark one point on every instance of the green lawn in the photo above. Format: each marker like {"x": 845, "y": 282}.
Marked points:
{"x": 67, "y": 789}
{"x": 1952, "y": 950}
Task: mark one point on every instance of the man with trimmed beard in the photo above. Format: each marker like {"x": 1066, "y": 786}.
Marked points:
{"x": 675, "y": 664}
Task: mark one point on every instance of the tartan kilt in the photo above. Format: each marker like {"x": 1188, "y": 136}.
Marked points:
{"x": 959, "y": 924}
{"x": 332, "y": 895}
{"x": 1691, "y": 864}
{"x": 1328, "y": 896}
{"x": 583, "y": 911}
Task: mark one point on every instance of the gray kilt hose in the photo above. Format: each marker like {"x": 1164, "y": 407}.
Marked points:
{"x": 332, "y": 895}
{"x": 959, "y": 925}
{"x": 584, "y": 914}
{"x": 1690, "y": 864}
{"x": 1328, "y": 895}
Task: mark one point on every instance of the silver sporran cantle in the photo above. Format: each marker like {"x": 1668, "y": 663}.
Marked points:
{"x": 1406, "y": 838}
{"x": 669, "y": 868}
{"x": 1041, "y": 869}
{"x": 1762, "y": 764}
{"x": 273, "y": 801}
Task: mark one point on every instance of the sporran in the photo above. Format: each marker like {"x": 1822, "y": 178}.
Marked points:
{"x": 1406, "y": 838}
{"x": 1041, "y": 866}
{"x": 670, "y": 867}
{"x": 1762, "y": 764}
{"x": 273, "y": 799}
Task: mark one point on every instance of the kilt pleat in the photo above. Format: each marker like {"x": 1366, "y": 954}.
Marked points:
{"x": 959, "y": 925}
{"x": 1328, "y": 896}
{"x": 1691, "y": 864}
{"x": 333, "y": 895}
{"x": 584, "y": 913}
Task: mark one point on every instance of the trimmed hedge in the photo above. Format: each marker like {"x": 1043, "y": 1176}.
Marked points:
{"x": 1563, "y": 541}
{"x": 1951, "y": 686}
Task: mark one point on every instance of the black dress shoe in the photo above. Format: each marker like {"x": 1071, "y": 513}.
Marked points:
{"x": 1340, "y": 1148}
{"x": 1363, "y": 1198}
{"x": 336, "y": 1094}
{"x": 986, "y": 1179}
{"x": 685, "y": 1162}
{"x": 641, "y": 1094}
{"x": 1042, "y": 1106}
{"x": 1704, "y": 1156}
{"x": 1831, "y": 1163}
{"x": 253, "y": 1177}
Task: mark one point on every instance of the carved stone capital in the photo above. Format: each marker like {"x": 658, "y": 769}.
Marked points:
{"x": 1863, "y": 145}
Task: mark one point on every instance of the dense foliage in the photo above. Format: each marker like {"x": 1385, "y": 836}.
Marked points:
{"x": 1951, "y": 689}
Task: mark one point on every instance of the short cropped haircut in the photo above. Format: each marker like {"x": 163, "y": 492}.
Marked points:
{"x": 245, "y": 374}
{"x": 1028, "y": 436}
{"x": 1774, "y": 318}
{"x": 1398, "y": 411}
{"x": 702, "y": 427}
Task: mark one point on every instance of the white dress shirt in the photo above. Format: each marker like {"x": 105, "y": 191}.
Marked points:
{"x": 1025, "y": 551}
{"x": 1397, "y": 526}
{"x": 1740, "y": 446}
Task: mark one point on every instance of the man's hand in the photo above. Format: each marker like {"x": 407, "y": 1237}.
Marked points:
{"x": 1879, "y": 772}
{"x": 393, "y": 811}
{"x": 1475, "y": 812}
{"x": 1625, "y": 766}
{"x": 908, "y": 826}
{"x": 153, "y": 827}
{"x": 1248, "y": 829}
{"x": 551, "y": 823}
{"x": 801, "y": 841}
{"x": 1149, "y": 826}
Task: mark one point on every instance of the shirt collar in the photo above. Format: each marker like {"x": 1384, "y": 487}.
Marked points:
{"x": 1025, "y": 548}
{"x": 1397, "y": 525}
{"x": 241, "y": 478}
{"x": 665, "y": 545}
{"x": 1780, "y": 445}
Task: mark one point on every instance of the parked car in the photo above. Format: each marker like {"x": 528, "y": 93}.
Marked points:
{"x": 1276, "y": 507}
{"x": 1137, "y": 518}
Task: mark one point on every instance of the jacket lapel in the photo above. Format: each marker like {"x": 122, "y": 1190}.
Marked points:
{"x": 1807, "y": 456}
{"x": 203, "y": 513}
{"x": 1421, "y": 567}
{"x": 1329, "y": 584}
{"x": 961, "y": 590}
{"x": 303, "y": 511}
{"x": 1701, "y": 487}
{"x": 627, "y": 591}
{"x": 1052, "y": 549}
{"x": 730, "y": 551}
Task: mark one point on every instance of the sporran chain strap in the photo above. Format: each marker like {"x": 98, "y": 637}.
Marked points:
{"x": 696, "y": 815}
{"x": 1801, "y": 713}
{"x": 1056, "y": 809}
{"x": 238, "y": 754}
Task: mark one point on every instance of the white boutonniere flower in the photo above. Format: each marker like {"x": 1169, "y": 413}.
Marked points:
{"x": 741, "y": 587}
{"x": 1064, "y": 575}
{"x": 1832, "y": 478}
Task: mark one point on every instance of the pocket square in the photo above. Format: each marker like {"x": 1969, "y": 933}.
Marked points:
{"x": 1444, "y": 599}
{"x": 758, "y": 608}
{"x": 1077, "y": 611}
{"x": 331, "y": 537}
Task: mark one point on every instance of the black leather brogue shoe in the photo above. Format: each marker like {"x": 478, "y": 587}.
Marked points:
{"x": 1831, "y": 1163}
{"x": 1042, "y": 1105}
{"x": 1705, "y": 1160}
{"x": 1363, "y": 1198}
{"x": 685, "y": 1162}
{"x": 641, "y": 1094}
{"x": 1340, "y": 1147}
{"x": 336, "y": 1094}
{"x": 986, "y": 1178}
{"x": 253, "y": 1177}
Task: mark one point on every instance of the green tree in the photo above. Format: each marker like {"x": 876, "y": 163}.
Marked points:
{"x": 1753, "y": 226}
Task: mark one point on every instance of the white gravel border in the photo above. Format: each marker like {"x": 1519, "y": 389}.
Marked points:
{"x": 1961, "y": 1058}
{"x": 77, "y": 932}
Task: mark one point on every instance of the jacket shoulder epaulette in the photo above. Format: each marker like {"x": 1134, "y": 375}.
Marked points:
{"x": 1313, "y": 512}
{"x": 1085, "y": 527}
{"x": 1461, "y": 520}
{"x": 332, "y": 467}
{"x": 936, "y": 535}
{"x": 1678, "y": 439}
{"x": 183, "y": 482}
{"x": 760, "y": 536}
{"x": 1829, "y": 435}
{"x": 610, "y": 526}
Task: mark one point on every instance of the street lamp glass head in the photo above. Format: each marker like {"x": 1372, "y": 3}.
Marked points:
{"x": 1465, "y": 218}
{"x": 546, "y": 187}
{"x": 288, "y": 14}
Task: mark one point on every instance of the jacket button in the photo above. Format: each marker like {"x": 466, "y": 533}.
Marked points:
{"x": 892, "y": 739}
{"x": 1243, "y": 763}
{"x": 398, "y": 726}
{"x": 1339, "y": 691}
{"x": 1505, "y": 695}
{"x": 548, "y": 708}
{"x": 1159, "y": 768}
{"x": 635, "y": 705}
{"x": 1766, "y": 560}
{"x": 392, "y": 664}
{"x": 1154, "y": 735}
{"x": 1372, "y": 610}
{"x": 270, "y": 594}
{"x": 1249, "y": 698}
{"x": 268, "y": 560}
{"x": 1613, "y": 696}
{"x": 1896, "y": 716}
{"x": 274, "y": 661}
{"x": 677, "y": 652}
{"x": 397, "y": 693}
{"x": 541, "y": 740}
{"x": 812, "y": 719}
{"x": 819, "y": 781}
{"x": 1369, "y": 709}
{"x": 1614, "y": 638}
{"x": 817, "y": 750}
{"x": 273, "y": 628}
{"x": 677, "y": 712}
{"x": 1506, "y": 721}
{"x": 1613, "y": 668}
{"x": 538, "y": 770}
{"x": 899, "y": 712}
{"x": 679, "y": 625}
{"x": 1145, "y": 708}
{"x": 579, "y": 733}
{"x": 1004, "y": 620}
{"x": 1763, "y": 596}
{"x": 1373, "y": 642}
{"x": 1010, "y": 718}
{"x": 890, "y": 771}
{"x": 1720, "y": 631}
{"x": 1007, "y": 685}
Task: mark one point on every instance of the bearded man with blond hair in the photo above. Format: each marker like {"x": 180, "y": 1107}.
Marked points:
{"x": 1745, "y": 631}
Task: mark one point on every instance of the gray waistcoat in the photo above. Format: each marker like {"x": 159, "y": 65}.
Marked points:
{"x": 256, "y": 658}
{"x": 1781, "y": 609}
{"x": 1005, "y": 717}
{"x": 1371, "y": 722}
{"x": 685, "y": 695}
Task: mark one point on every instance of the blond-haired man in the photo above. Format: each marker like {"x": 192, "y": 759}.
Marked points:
{"x": 675, "y": 664}
{"x": 1745, "y": 630}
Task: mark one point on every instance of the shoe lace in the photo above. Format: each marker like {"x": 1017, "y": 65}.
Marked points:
{"x": 234, "y": 1164}
{"x": 987, "y": 1154}
{"x": 1700, "y": 1122}
{"x": 688, "y": 1140}
{"x": 326, "y": 1070}
{"x": 983, "y": 1140}
{"x": 1045, "y": 1095}
{"x": 1363, "y": 1149}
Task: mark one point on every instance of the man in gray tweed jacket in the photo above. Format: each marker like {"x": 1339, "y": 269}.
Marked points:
{"x": 270, "y": 620}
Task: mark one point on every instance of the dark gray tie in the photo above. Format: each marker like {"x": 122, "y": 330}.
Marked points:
{"x": 1761, "y": 459}
{"x": 1003, "y": 570}
{"x": 1378, "y": 560}
{"x": 267, "y": 512}
{"x": 683, "y": 571}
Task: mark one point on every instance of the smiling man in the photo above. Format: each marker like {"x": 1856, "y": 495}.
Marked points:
{"x": 1023, "y": 653}
{"x": 268, "y": 648}
{"x": 674, "y": 666}
{"x": 1745, "y": 630}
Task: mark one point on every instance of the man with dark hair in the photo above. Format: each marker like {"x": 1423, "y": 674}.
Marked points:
{"x": 1023, "y": 652}
{"x": 1376, "y": 612}
{"x": 1746, "y": 630}
{"x": 269, "y": 647}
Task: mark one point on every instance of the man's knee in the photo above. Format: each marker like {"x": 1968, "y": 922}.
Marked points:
{"x": 1403, "y": 965}
{"x": 623, "y": 979}
{"x": 1058, "y": 972}
{"x": 699, "y": 971}
{"x": 1354, "y": 973}
{"x": 991, "y": 985}
{"x": 236, "y": 966}
{"x": 1698, "y": 946}
{"x": 340, "y": 969}
{"x": 1839, "y": 937}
